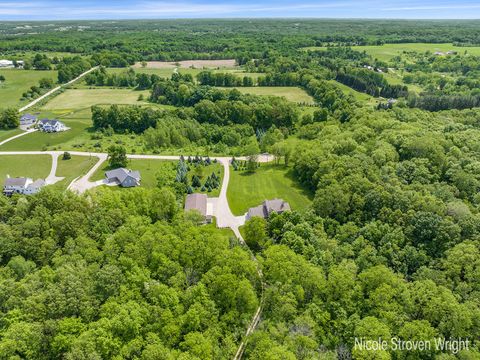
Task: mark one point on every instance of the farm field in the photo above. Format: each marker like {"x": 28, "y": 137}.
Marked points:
{"x": 82, "y": 98}
{"x": 33, "y": 166}
{"x": 291, "y": 93}
{"x": 73, "y": 168}
{"x": 270, "y": 181}
{"x": 387, "y": 51}
{"x": 17, "y": 81}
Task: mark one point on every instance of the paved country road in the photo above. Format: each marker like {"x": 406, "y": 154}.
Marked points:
{"x": 222, "y": 211}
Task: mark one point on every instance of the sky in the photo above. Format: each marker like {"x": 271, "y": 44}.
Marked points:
{"x": 167, "y": 9}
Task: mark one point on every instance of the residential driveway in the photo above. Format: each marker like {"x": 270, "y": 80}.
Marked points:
{"x": 82, "y": 184}
{"x": 51, "y": 178}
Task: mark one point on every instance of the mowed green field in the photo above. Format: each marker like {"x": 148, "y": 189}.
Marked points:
{"x": 33, "y": 166}
{"x": 17, "y": 82}
{"x": 73, "y": 168}
{"x": 5, "y": 134}
{"x": 387, "y": 51}
{"x": 82, "y": 98}
{"x": 270, "y": 181}
{"x": 291, "y": 93}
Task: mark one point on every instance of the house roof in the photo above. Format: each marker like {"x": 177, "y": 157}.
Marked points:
{"x": 49, "y": 122}
{"x": 20, "y": 181}
{"x": 196, "y": 202}
{"x": 277, "y": 205}
{"x": 257, "y": 211}
{"x": 269, "y": 206}
{"x": 37, "y": 184}
{"x": 28, "y": 117}
{"x": 121, "y": 174}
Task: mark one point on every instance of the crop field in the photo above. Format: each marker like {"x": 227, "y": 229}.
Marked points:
{"x": 270, "y": 181}
{"x": 291, "y": 93}
{"x": 18, "y": 81}
{"x": 82, "y": 98}
{"x": 33, "y": 166}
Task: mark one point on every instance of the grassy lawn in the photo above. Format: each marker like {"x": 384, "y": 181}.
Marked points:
{"x": 33, "y": 166}
{"x": 359, "y": 96}
{"x": 387, "y": 51}
{"x": 150, "y": 170}
{"x": 268, "y": 182}
{"x": 5, "y": 134}
{"x": 17, "y": 82}
{"x": 82, "y": 98}
{"x": 51, "y": 141}
{"x": 73, "y": 168}
{"x": 291, "y": 93}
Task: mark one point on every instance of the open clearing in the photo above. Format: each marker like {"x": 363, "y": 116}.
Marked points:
{"x": 33, "y": 166}
{"x": 291, "y": 93}
{"x": 73, "y": 168}
{"x": 270, "y": 181}
{"x": 387, "y": 51}
{"x": 81, "y": 98}
{"x": 18, "y": 81}
{"x": 209, "y": 64}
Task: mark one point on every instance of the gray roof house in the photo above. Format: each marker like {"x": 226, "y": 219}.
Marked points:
{"x": 48, "y": 125}
{"x": 268, "y": 206}
{"x": 28, "y": 119}
{"x": 22, "y": 185}
{"x": 123, "y": 177}
{"x": 198, "y": 202}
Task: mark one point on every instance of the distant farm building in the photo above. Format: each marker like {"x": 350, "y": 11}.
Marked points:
{"x": 6, "y": 64}
{"x": 198, "y": 202}
{"x": 22, "y": 185}
{"x": 123, "y": 177}
{"x": 268, "y": 206}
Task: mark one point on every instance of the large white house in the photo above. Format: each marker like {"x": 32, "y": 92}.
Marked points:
{"x": 22, "y": 185}
{"x": 47, "y": 125}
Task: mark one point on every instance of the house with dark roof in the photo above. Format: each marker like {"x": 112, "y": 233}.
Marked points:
{"x": 267, "y": 207}
{"x": 198, "y": 202}
{"x": 28, "y": 119}
{"x": 48, "y": 125}
{"x": 22, "y": 185}
{"x": 123, "y": 177}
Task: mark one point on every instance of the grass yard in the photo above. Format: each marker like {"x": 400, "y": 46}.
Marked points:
{"x": 291, "y": 93}
{"x": 73, "y": 168}
{"x": 33, "y": 166}
{"x": 51, "y": 141}
{"x": 18, "y": 81}
{"x": 5, "y": 134}
{"x": 268, "y": 182}
{"x": 152, "y": 170}
{"x": 82, "y": 98}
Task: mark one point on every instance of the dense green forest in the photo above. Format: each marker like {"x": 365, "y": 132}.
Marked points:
{"x": 388, "y": 147}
